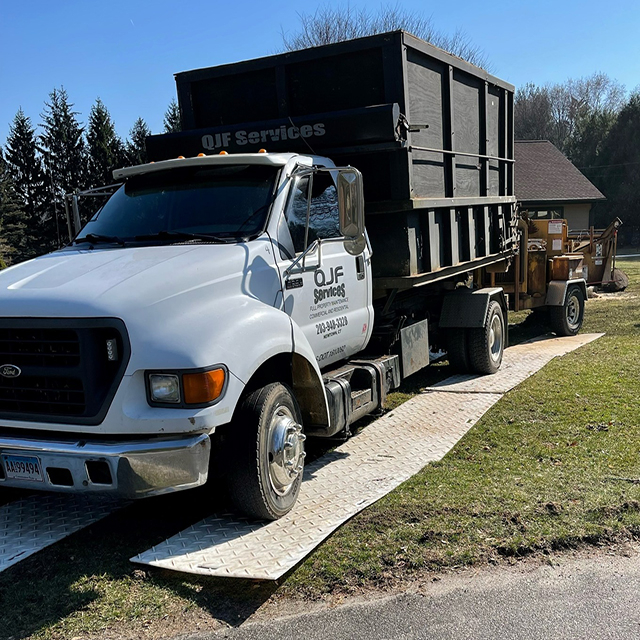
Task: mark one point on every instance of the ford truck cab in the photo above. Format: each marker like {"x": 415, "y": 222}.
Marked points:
{"x": 199, "y": 304}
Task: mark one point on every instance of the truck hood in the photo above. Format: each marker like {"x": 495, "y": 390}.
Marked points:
{"x": 114, "y": 281}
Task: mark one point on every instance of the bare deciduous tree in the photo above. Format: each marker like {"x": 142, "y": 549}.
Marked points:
{"x": 337, "y": 24}
{"x": 562, "y": 112}
{"x": 532, "y": 107}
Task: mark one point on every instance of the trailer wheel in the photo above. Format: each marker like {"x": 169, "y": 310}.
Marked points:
{"x": 486, "y": 345}
{"x": 265, "y": 453}
{"x": 567, "y": 319}
{"x": 457, "y": 350}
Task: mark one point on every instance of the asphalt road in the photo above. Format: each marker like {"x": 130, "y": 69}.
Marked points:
{"x": 585, "y": 598}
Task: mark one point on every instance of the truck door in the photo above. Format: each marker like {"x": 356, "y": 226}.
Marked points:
{"x": 329, "y": 295}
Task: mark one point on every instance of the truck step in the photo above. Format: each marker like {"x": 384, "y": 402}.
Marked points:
{"x": 356, "y": 389}
{"x": 361, "y": 398}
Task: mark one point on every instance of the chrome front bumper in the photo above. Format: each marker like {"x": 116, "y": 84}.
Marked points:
{"x": 133, "y": 469}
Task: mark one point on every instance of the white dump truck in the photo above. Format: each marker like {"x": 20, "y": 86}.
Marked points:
{"x": 229, "y": 300}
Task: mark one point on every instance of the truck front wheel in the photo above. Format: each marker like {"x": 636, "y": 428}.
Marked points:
{"x": 265, "y": 458}
{"x": 567, "y": 319}
{"x": 486, "y": 345}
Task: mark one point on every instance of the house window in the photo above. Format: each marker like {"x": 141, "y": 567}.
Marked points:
{"x": 546, "y": 213}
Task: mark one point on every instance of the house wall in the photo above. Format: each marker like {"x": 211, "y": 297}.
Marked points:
{"x": 577, "y": 216}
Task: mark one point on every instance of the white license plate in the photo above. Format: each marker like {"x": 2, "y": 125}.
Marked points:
{"x": 22, "y": 468}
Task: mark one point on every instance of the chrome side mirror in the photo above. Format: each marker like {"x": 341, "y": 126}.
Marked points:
{"x": 351, "y": 205}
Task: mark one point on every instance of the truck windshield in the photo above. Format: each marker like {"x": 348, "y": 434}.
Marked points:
{"x": 222, "y": 202}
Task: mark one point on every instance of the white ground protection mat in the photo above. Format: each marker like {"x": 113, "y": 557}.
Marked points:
{"x": 39, "y": 520}
{"x": 361, "y": 471}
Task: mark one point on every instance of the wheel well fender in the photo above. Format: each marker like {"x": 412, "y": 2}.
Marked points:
{"x": 467, "y": 309}
{"x": 295, "y": 370}
{"x": 557, "y": 291}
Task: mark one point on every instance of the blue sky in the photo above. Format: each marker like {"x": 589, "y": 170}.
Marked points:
{"x": 127, "y": 52}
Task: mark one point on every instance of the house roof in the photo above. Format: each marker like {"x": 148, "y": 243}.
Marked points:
{"x": 544, "y": 174}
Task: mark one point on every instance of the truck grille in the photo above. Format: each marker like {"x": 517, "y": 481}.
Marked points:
{"x": 40, "y": 347}
{"x": 60, "y": 369}
{"x": 41, "y": 394}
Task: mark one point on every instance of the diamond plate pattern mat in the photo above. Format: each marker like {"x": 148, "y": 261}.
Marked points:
{"x": 337, "y": 486}
{"x": 37, "y": 521}
{"x": 364, "y": 469}
{"x": 518, "y": 363}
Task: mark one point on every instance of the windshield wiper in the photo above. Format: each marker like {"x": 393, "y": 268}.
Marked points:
{"x": 183, "y": 235}
{"x": 95, "y": 238}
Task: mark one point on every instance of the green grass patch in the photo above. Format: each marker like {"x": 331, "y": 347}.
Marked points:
{"x": 553, "y": 465}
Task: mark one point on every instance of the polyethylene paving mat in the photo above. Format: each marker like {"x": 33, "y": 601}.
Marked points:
{"x": 361, "y": 471}
{"x": 518, "y": 363}
{"x": 37, "y": 521}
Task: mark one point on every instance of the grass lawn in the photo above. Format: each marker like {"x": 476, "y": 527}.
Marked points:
{"x": 553, "y": 465}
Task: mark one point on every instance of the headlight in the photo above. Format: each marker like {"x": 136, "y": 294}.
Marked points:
{"x": 164, "y": 387}
{"x": 188, "y": 388}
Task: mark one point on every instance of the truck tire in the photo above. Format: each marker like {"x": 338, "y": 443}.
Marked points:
{"x": 486, "y": 345}
{"x": 265, "y": 453}
{"x": 457, "y": 350}
{"x": 567, "y": 319}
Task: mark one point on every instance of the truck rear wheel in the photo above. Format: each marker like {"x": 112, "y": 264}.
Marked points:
{"x": 486, "y": 345}
{"x": 567, "y": 319}
{"x": 265, "y": 453}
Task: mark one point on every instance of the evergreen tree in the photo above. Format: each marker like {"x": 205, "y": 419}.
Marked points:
{"x": 63, "y": 148}
{"x": 104, "y": 147}
{"x": 617, "y": 171}
{"x": 25, "y": 167}
{"x": 12, "y": 219}
{"x": 172, "y": 122}
{"x": 136, "y": 146}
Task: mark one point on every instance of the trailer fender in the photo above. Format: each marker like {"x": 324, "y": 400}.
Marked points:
{"x": 557, "y": 291}
{"x": 467, "y": 309}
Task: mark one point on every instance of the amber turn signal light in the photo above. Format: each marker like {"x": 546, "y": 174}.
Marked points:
{"x": 202, "y": 388}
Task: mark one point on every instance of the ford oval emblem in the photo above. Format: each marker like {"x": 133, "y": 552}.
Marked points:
{"x": 10, "y": 371}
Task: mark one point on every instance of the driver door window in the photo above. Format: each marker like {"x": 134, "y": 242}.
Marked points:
{"x": 324, "y": 219}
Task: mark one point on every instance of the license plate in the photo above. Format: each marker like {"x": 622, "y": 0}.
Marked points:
{"x": 22, "y": 468}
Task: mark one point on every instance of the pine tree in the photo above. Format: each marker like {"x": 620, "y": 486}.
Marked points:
{"x": 136, "y": 145}
{"x": 617, "y": 171}
{"x": 64, "y": 154}
{"x": 12, "y": 219}
{"x": 172, "y": 122}
{"x": 104, "y": 147}
{"x": 24, "y": 164}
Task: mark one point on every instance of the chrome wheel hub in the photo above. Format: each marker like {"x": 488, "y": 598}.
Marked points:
{"x": 286, "y": 450}
{"x": 495, "y": 338}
